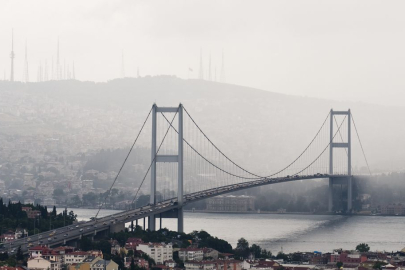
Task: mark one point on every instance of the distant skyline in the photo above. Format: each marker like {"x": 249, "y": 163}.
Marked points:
{"x": 340, "y": 50}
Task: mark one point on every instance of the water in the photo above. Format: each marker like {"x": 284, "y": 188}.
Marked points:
{"x": 292, "y": 232}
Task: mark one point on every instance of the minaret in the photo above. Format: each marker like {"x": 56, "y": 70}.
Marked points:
{"x": 122, "y": 65}
{"x": 201, "y": 74}
{"x": 26, "y": 76}
{"x": 222, "y": 79}
{"x": 137, "y": 73}
{"x": 209, "y": 69}
{"x": 12, "y": 56}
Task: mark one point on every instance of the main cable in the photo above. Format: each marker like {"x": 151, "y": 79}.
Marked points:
{"x": 122, "y": 166}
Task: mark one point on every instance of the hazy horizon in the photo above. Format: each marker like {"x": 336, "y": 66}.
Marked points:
{"x": 344, "y": 50}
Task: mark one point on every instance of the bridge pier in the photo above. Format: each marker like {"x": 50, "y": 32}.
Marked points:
{"x": 180, "y": 220}
{"x": 349, "y": 194}
{"x": 330, "y": 193}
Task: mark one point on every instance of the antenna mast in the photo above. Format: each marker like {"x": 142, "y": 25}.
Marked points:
{"x": 12, "y": 56}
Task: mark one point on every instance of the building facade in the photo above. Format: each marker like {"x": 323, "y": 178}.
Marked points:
{"x": 160, "y": 252}
{"x": 191, "y": 254}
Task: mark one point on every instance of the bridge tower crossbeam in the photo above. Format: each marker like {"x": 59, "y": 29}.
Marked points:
{"x": 348, "y": 146}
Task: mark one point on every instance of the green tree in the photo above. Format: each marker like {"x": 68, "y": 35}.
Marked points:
{"x": 242, "y": 248}
{"x": 339, "y": 265}
{"x": 86, "y": 244}
{"x": 362, "y": 247}
{"x": 132, "y": 267}
{"x": 378, "y": 265}
{"x": 282, "y": 256}
{"x": 19, "y": 255}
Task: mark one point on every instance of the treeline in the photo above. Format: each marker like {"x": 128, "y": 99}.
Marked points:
{"x": 12, "y": 216}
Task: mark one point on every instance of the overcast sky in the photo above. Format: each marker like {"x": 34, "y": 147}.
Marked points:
{"x": 346, "y": 50}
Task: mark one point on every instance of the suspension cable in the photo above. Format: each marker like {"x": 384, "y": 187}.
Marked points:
{"x": 155, "y": 155}
{"x": 361, "y": 145}
{"x": 198, "y": 153}
{"x": 258, "y": 177}
{"x": 122, "y": 166}
{"x": 323, "y": 149}
{"x": 218, "y": 148}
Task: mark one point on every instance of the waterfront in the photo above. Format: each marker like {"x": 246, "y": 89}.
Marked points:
{"x": 291, "y": 232}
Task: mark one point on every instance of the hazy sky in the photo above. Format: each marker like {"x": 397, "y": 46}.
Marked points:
{"x": 347, "y": 50}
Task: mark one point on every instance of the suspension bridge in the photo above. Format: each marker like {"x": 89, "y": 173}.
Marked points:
{"x": 186, "y": 166}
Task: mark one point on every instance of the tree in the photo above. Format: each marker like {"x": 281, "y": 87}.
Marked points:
{"x": 362, "y": 247}
{"x": 378, "y": 265}
{"x": 19, "y": 255}
{"x": 243, "y": 244}
{"x": 242, "y": 248}
{"x": 282, "y": 256}
{"x": 339, "y": 265}
{"x": 132, "y": 267}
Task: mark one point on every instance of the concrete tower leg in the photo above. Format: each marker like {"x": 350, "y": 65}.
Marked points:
{"x": 180, "y": 221}
{"x": 330, "y": 190}
{"x": 349, "y": 194}
{"x": 152, "y": 201}
{"x": 330, "y": 195}
{"x": 349, "y": 165}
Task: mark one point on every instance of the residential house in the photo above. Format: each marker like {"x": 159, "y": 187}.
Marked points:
{"x": 191, "y": 254}
{"x": 210, "y": 253}
{"x": 75, "y": 257}
{"x": 132, "y": 243}
{"x": 40, "y": 263}
{"x": 104, "y": 265}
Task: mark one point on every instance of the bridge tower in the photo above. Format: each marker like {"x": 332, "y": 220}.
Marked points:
{"x": 348, "y": 146}
{"x": 167, "y": 158}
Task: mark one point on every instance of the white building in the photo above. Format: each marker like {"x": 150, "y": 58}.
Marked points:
{"x": 43, "y": 264}
{"x": 75, "y": 257}
{"x": 191, "y": 254}
{"x": 199, "y": 265}
{"x": 160, "y": 252}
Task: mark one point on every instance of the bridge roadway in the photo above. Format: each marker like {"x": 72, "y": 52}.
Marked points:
{"x": 90, "y": 228}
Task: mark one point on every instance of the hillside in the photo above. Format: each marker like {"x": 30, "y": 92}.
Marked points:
{"x": 259, "y": 129}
